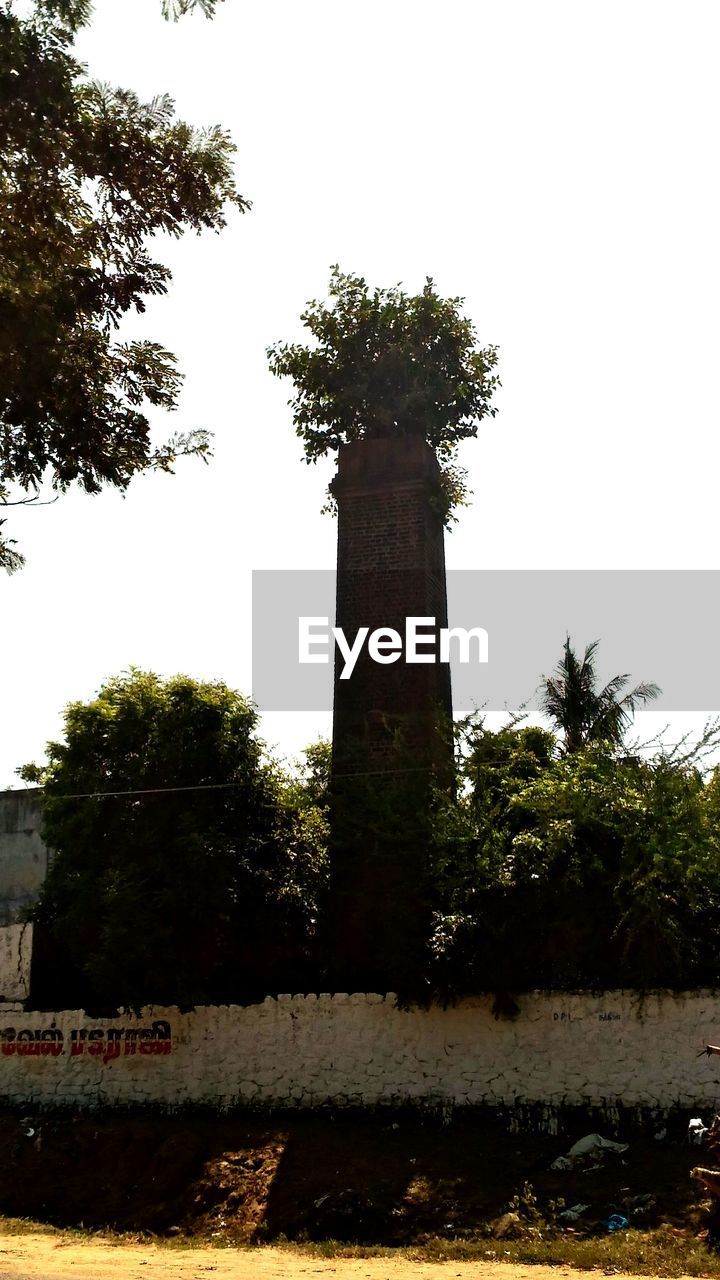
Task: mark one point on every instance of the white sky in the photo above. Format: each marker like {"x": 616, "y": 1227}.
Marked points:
{"x": 554, "y": 163}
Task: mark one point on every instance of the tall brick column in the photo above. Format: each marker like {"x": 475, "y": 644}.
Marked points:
{"x": 390, "y": 721}
{"x": 390, "y": 566}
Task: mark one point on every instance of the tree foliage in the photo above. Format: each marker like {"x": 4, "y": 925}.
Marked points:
{"x": 190, "y": 867}
{"x": 581, "y": 710}
{"x": 74, "y": 14}
{"x": 591, "y": 867}
{"x": 178, "y": 8}
{"x": 384, "y": 362}
{"x": 185, "y": 867}
{"x": 89, "y": 174}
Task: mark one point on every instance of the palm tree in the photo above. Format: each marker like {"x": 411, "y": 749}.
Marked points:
{"x": 581, "y": 711}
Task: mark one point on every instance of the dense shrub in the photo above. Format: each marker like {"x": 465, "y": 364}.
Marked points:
{"x": 591, "y": 868}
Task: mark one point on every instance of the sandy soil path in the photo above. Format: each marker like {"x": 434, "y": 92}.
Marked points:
{"x": 44, "y": 1257}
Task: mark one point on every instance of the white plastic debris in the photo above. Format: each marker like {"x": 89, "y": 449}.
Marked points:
{"x": 589, "y": 1152}
{"x": 593, "y": 1143}
{"x": 573, "y": 1213}
{"x": 696, "y": 1131}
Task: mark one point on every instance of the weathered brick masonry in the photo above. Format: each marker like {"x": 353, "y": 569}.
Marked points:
{"x": 390, "y": 722}
{"x": 390, "y": 566}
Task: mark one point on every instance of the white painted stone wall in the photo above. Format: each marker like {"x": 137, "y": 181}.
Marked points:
{"x": 362, "y": 1050}
{"x": 15, "y": 955}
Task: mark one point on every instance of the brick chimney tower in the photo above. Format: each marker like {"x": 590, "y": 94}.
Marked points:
{"x": 390, "y": 722}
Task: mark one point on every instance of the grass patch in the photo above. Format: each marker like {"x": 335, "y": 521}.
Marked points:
{"x": 26, "y": 1227}
{"x": 117, "y": 1239}
{"x": 662, "y": 1252}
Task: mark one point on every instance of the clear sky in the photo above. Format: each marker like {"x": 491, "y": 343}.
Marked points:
{"x": 554, "y": 163}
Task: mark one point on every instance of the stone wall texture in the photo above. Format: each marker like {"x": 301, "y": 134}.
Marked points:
{"x": 308, "y": 1051}
{"x": 23, "y": 856}
{"x": 15, "y": 957}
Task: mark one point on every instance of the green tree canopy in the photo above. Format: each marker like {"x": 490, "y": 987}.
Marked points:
{"x": 88, "y": 175}
{"x": 576, "y": 869}
{"x": 190, "y": 868}
{"x": 384, "y": 362}
{"x": 184, "y": 867}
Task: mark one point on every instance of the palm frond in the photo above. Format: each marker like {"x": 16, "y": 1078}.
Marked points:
{"x": 582, "y": 712}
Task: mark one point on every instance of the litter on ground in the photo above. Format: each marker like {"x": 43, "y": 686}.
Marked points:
{"x": 588, "y": 1153}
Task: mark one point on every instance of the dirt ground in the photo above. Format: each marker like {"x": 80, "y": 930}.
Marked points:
{"x": 36, "y": 1256}
{"x": 389, "y": 1180}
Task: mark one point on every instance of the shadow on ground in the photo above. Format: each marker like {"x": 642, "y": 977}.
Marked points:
{"x": 371, "y": 1179}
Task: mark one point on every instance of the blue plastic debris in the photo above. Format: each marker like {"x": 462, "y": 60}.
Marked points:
{"x": 616, "y": 1222}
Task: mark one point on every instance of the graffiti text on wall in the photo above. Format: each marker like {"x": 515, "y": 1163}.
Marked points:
{"x": 98, "y": 1042}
